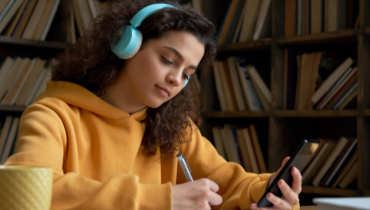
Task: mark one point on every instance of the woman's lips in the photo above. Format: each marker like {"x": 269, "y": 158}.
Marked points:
{"x": 163, "y": 91}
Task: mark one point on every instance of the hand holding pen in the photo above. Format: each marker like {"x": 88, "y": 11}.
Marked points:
{"x": 198, "y": 194}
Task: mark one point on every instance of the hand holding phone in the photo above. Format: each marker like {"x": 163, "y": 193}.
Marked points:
{"x": 299, "y": 159}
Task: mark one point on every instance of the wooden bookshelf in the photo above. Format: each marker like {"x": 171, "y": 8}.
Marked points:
{"x": 330, "y": 191}
{"x": 10, "y": 46}
{"x": 8, "y": 108}
{"x": 286, "y": 127}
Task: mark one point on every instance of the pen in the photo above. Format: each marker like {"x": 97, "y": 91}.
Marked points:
{"x": 185, "y": 167}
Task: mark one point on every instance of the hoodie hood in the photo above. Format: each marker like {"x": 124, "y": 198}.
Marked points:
{"x": 79, "y": 96}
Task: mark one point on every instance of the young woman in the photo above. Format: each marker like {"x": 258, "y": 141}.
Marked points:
{"x": 111, "y": 127}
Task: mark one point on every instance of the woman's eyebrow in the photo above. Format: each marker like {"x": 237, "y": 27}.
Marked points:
{"x": 178, "y": 54}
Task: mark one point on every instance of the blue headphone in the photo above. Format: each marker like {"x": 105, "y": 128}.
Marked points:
{"x": 131, "y": 40}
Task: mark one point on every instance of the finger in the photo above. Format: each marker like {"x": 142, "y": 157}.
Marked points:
{"x": 214, "y": 199}
{"x": 289, "y": 196}
{"x": 297, "y": 180}
{"x": 255, "y": 207}
{"x": 278, "y": 202}
{"x": 213, "y": 186}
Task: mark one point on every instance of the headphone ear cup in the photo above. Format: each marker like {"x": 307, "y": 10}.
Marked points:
{"x": 186, "y": 82}
{"x": 129, "y": 44}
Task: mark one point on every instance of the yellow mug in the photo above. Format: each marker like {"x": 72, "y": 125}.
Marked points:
{"x": 25, "y": 187}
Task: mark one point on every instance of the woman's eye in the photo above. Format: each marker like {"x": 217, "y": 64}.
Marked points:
{"x": 166, "y": 61}
{"x": 187, "y": 77}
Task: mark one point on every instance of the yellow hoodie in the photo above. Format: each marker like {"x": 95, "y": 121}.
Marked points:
{"x": 96, "y": 153}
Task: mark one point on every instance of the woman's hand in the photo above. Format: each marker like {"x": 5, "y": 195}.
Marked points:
{"x": 199, "y": 194}
{"x": 290, "y": 195}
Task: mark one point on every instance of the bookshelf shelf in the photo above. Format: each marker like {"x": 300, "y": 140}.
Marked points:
{"x": 11, "y": 108}
{"x": 285, "y": 113}
{"x": 330, "y": 191}
{"x": 367, "y": 112}
{"x": 11, "y": 41}
{"x": 327, "y": 37}
{"x": 264, "y": 44}
{"x": 237, "y": 114}
{"x": 316, "y": 113}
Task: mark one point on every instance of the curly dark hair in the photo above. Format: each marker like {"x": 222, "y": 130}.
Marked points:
{"x": 91, "y": 64}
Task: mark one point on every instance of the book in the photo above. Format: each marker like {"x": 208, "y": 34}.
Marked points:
{"x": 250, "y": 149}
{"x": 263, "y": 24}
{"x": 45, "y": 31}
{"x": 227, "y": 86}
{"x": 336, "y": 15}
{"x": 5, "y": 131}
{"x": 342, "y": 90}
{"x": 329, "y": 82}
{"x": 12, "y": 75}
{"x": 321, "y": 144}
{"x": 236, "y": 143}
{"x": 16, "y": 19}
{"x": 18, "y": 83}
{"x": 34, "y": 20}
{"x": 348, "y": 78}
{"x": 352, "y": 203}
{"x": 249, "y": 22}
{"x": 93, "y": 9}
{"x": 257, "y": 149}
{"x": 313, "y": 79}
{"x": 290, "y": 78}
{"x": 43, "y": 85}
{"x": 63, "y": 28}
{"x": 348, "y": 97}
{"x": 329, "y": 160}
{"x": 317, "y": 162}
{"x": 85, "y": 14}
{"x": 228, "y": 140}
{"x": 250, "y": 94}
{"x": 263, "y": 100}
{"x": 231, "y": 21}
{"x": 218, "y": 141}
{"x": 219, "y": 89}
{"x": 346, "y": 168}
{"x": 18, "y": 31}
{"x": 290, "y": 17}
{"x": 43, "y": 19}
{"x": 231, "y": 61}
{"x": 316, "y": 16}
{"x": 239, "y": 25}
{"x": 35, "y": 87}
{"x": 9, "y": 11}
{"x": 260, "y": 83}
{"x": 3, "y": 4}
{"x": 9, "y": 140}
{"x": 307, "y": 67}
{"x": 5, "y": 69}
{"x": 31, "y": 79}
{"x": 244, "y": 151}
{"x": 350, "y": 176}
{"x": 339, "y": 162}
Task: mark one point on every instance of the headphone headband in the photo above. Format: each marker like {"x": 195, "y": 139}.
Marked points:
{"x": 145, "y": 12}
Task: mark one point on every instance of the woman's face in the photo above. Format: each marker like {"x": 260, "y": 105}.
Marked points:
{"x": 159, "y": 70}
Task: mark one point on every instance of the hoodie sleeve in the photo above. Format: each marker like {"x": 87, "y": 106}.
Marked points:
{"x": 42, "y": 141}
{"x": 237, "y": 187}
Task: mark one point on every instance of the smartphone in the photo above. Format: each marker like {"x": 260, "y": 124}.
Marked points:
{"x": 299, "y": 159}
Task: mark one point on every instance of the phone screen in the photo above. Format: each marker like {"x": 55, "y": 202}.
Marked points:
{"x": 299, "y": 159}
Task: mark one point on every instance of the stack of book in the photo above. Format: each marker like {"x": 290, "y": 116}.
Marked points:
{"x": 27, "y": 19}
{"x": 32, "y": 19}
{"x": 246, "y": 21}
{"x": 316, "y": 16}
{"x": 334, "y": 164}
{"x": 240, "y": 87}
{"x": 22, "y": 79}
{"x": 8, "y": 137}
{"x": 319, "y": 81}
{"x": 240, "y": 145}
